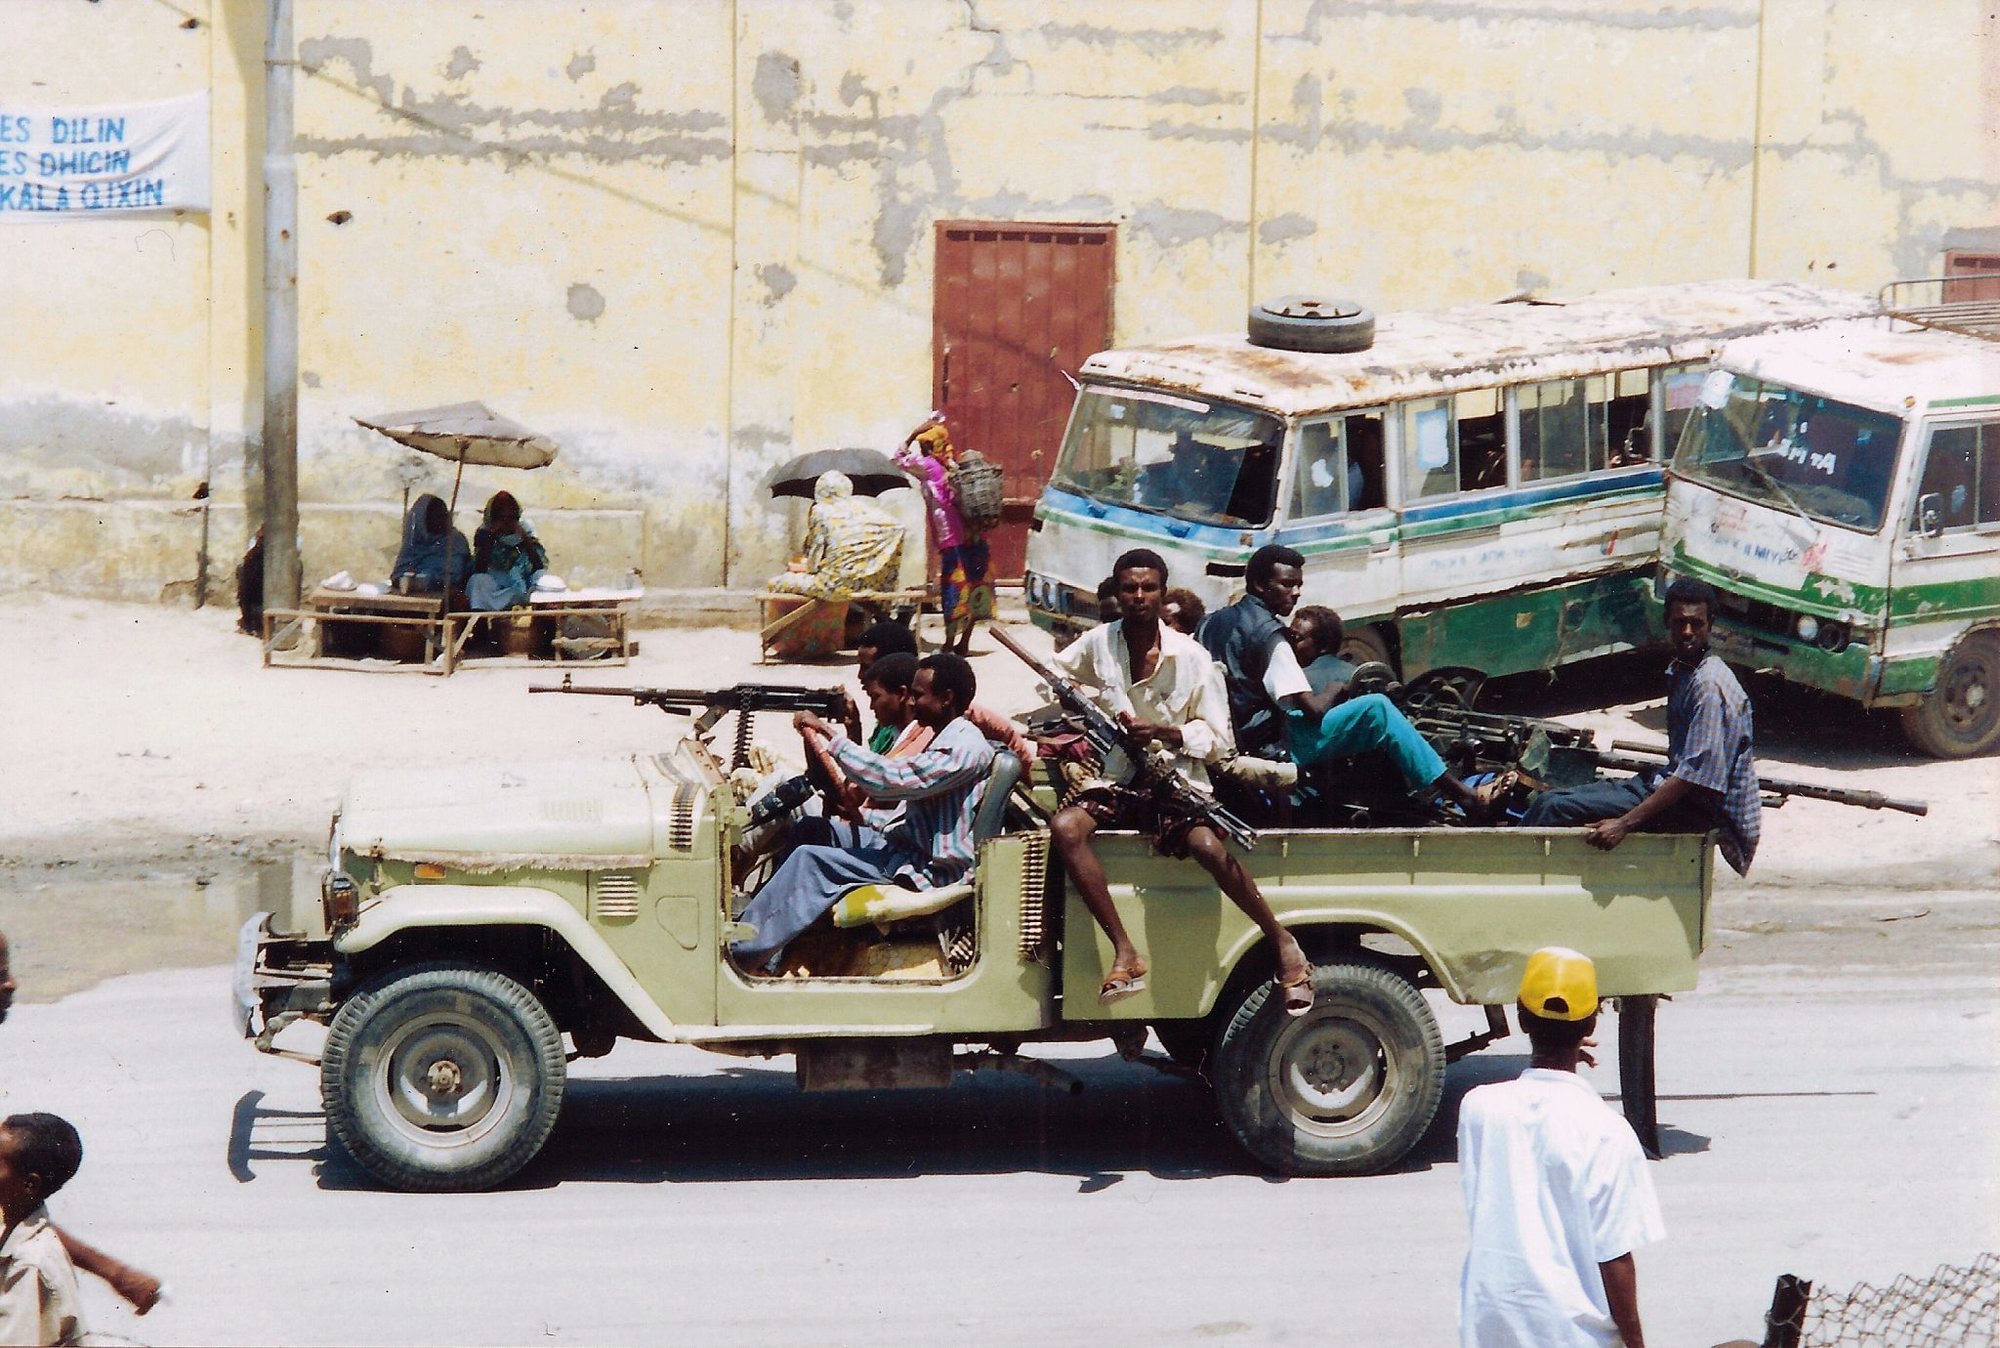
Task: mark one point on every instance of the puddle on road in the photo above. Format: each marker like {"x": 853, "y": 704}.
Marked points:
{"x": 71, "y": 927}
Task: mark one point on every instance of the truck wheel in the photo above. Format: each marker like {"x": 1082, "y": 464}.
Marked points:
{"x": 1311, "y": 323}
{"x": 1961, "y": 716}
{"x": 442, "y": 1077}
{"x": 1346, "y": 1089}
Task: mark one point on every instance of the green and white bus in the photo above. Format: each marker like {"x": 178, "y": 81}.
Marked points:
{"x": 1841, "y": 489}
{"x": 1477, "y": 488}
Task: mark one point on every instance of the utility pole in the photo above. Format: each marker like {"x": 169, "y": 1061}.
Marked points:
{"x": 281, "y": 318}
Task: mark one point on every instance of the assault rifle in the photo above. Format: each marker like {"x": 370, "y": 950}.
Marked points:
{"x": 745, "y": 699}
{"x": 1153, "y": 766}
{"x": 1621, "y": 757}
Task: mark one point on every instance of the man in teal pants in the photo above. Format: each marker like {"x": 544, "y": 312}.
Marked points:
{"x": 1321, "y": 724}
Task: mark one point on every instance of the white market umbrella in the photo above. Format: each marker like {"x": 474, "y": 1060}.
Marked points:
{"x": 466, "y": 433}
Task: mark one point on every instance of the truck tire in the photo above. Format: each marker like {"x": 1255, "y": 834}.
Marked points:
{"x": 1346, "y": 1089}
{"x": 1961, "y": 716}
{"x": 1311, "y": 323}
{"x": 442, "y": 1077}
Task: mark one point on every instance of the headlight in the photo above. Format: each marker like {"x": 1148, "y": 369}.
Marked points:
{"x": 339, "y": 901}
{"x": 1832, "y": 637}
{"x": 1808, "y": 627}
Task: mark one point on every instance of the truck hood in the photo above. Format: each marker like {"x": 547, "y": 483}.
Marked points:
{"x": 504, "y": 814}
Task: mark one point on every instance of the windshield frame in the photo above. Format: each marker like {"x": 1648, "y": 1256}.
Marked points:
{"x": 1172, "y": 500}
{"x": 1777, "y": 474}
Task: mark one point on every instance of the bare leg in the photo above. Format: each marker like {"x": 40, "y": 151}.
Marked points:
{"x": 1072, "y": 829}
{"x": 1208, "y": 850}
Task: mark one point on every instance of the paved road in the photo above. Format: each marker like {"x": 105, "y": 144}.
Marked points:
{"x": 1836, "y": 1125}
{"x": 1830, "y": 1091}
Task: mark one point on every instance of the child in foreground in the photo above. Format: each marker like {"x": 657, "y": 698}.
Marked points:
{"x": 39, "y": 1303}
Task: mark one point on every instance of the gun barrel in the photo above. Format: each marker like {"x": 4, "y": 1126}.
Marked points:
{"x": 1777, "y": 786}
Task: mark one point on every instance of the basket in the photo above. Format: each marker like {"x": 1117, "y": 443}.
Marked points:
{"x": 980, "y": 486}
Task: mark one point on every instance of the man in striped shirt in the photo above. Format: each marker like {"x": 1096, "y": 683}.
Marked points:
{"x": 1711, "y": 777}
{"x": 932, "y": 845}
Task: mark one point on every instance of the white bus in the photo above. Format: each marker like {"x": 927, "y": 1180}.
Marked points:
{"x": 1479, "y": 488}
{"x": 1841, "y": 489}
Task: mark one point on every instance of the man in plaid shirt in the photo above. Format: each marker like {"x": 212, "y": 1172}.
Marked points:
{"x": 1711, "y": 776}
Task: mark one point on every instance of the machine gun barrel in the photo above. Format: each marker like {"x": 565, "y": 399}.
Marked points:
{"x": 828, "y": 702}
{"x": 1655, "y": 758}
{"x": 1150, "y": 772}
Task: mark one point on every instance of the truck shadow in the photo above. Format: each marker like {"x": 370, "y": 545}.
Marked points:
{"x": 752, "y": 1123}
{"x": 1439, "y": 1145}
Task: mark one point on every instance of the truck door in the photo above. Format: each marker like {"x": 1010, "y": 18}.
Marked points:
{"x": 1945, "y": 570}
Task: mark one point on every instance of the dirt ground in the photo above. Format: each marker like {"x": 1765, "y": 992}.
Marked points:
{"x": 163, "y": 784}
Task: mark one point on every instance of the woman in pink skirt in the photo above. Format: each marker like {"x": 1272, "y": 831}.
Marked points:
{"x": 963, "y": 591}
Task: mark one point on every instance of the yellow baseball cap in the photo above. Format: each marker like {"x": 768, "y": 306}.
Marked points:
{"x": 1560, "y": 984}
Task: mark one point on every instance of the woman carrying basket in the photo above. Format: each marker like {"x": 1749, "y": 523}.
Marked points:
{"x": 956, "y": 530}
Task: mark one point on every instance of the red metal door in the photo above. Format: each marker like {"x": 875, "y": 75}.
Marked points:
{"x": 1017, "y": 309}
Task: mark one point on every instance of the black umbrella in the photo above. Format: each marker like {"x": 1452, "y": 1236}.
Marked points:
{"x": 870, "y": 470}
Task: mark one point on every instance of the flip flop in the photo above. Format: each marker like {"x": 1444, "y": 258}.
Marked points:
{"x": 1298, "y": 994}
{"x": 1120, "y": 984}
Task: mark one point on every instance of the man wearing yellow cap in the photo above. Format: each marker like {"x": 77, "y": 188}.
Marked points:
{"x": 1555, "y": 1185}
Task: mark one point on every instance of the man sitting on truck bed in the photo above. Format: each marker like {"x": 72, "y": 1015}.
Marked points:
{"x": 1273, "y": 703}
{"x": 1163, "y": 688}
{"x": 1711, "y": 777}
{"x": 932, "y": 845}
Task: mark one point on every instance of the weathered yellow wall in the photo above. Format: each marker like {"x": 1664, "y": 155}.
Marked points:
{"x": 690, "y": 238}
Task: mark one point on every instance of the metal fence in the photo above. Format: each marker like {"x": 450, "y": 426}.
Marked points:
{"x": 1954, "y": 1306}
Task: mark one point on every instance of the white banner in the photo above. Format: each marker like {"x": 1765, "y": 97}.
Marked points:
{"x": 58, "y": 163}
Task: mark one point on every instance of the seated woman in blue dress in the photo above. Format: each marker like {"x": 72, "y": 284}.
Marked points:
{"x": 507, "y": 558}
{"x": 433, "y": 558}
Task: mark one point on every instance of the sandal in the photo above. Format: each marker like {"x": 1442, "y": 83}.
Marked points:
{"x": 1298, "y": 993}
{"x": 1120, "y": 984}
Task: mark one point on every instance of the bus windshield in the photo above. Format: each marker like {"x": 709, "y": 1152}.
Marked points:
{"x": 1190, "y": 458}
{"x": 1791, "y": 450}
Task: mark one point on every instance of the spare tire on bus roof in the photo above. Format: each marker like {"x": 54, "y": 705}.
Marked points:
{"x": 1311, "y": 323}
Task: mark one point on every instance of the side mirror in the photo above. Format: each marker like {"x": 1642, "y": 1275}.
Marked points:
{"x": 1930, "y": 514}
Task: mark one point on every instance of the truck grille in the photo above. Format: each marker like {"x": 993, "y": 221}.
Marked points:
{"x": 614, "y": 896}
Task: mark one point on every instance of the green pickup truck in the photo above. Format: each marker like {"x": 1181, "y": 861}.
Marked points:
{"x": 483, "y": 927}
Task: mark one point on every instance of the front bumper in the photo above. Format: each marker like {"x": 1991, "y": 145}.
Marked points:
{"x": 280, "y": 978}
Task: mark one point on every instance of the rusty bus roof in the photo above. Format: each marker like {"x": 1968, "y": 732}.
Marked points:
{"x": 1426, "y": 353}
{"x": 1871, "y": 364}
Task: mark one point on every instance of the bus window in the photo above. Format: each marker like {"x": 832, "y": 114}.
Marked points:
{"x": 1563, "y": 427}
{"x": 1963, "y": 471}
{"x": 1430, "y": 450}
{"x": 1367, "y": 461}
{"x": 1482, "y": 440}
{"x": 1681, "y": 386}
{"x": 1319, "y": 478}
{"x": 1629, "y": 437}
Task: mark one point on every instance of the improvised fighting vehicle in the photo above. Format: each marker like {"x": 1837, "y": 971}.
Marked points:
{"x": 483, "y": 926}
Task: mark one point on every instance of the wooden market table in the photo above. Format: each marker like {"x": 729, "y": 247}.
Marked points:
{"x": 346, "y": 629}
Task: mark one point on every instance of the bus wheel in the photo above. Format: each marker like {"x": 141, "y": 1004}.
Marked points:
{"x": 1961, "y": 716}
{"x": 1362, "y": 645}
{"x": 1345, "y": 1089}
